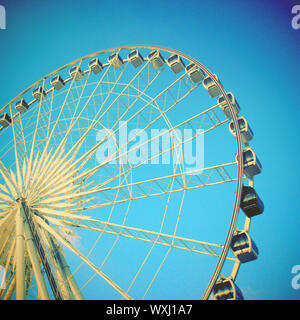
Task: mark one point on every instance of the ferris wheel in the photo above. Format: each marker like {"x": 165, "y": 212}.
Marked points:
{"x": 122, "y": 177}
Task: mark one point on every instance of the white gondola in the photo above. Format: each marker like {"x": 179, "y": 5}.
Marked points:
{"x": 251, "y": 164}
{"x": 226, "y": 289}
{"x": 156, "y": 59}
{"x": 115, "y": 60}
{"x": 243, "y": 247}
{"x": 135, "y": 58}
{"x": 95, "y": 66}
{"x": 57, "y": 82}
{"x": 175, "y": 63}
{"x": 251, "y": 203}
{"x": 39, "y": 93}
{"x": 76, "y": 73}
{"x": 21, "y": 106}
{"x": 210, "y": 85}
{"x": 225, "y": 107}
{"x": 5, "y": 120}
{"x": 195, "y": 73}
{"x": 245, "y": 130}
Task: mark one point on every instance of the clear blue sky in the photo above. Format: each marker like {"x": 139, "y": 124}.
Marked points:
{"x": 250, "y": 44}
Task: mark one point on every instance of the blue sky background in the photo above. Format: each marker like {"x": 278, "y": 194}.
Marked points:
{"x": 250, "y": 44}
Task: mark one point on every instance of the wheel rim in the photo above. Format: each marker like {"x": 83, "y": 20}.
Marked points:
{"x": 232, "y": 225}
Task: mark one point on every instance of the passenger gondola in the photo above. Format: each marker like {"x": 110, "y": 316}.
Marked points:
{"x": 5, "y": 120}
{"x": 95, "y": 66}
{"x": 225, "y": 107}
{"x": 243, "y": 247}
{"x": 155, "y": 59}
{"x": 251, "y": 203}
{"x": 245, "y": 130}
{"x": 115, "y": 60}
{"x": 135, "y": 58}
{"x": 211, "y": 86}
{"x": 21, "y": 106}
{"x": 175, "y": 63}
{"x": 251, "y": 164}
{"x": 57, "y": 82}
{"x": 226, "y": 289}
{"x": 195, "y": 73}
{"x": 76, "y": 73}
{"x": 39, "y": 93}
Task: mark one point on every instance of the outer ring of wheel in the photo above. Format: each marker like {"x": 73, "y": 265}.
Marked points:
{"x": 235, "y": 213}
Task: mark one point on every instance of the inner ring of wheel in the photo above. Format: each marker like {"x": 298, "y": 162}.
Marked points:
{"x": 235, "y": 212}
